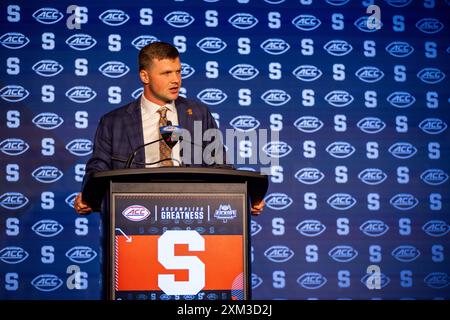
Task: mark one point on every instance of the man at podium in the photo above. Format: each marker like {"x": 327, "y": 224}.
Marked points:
{"x": 133, "y": 135}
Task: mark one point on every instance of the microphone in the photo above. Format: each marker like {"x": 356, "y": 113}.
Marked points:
{"x": 169, "y": 134}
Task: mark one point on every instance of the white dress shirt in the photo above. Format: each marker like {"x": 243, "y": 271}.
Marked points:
{"x": 150, "y": 128}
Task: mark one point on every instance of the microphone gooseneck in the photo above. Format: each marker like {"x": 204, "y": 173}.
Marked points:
{"x": 169, "y": 134}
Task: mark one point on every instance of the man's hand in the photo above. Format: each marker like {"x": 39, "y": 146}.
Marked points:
{"x": 257, "y": 208}
{"x": 80, "y": 206}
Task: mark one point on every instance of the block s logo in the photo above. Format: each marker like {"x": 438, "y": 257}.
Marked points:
{"x": 167, "y": 257}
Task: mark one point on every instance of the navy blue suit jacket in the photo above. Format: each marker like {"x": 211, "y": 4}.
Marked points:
{"x": 119, "y": 133}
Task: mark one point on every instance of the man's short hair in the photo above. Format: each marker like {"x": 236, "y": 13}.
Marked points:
{"x": 156, "y": 50}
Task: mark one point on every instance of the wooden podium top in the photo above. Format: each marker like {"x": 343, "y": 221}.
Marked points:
{"x": 97, "y": 185}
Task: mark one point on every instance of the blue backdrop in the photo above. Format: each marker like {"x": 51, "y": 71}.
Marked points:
{"x": 358, "y": 205}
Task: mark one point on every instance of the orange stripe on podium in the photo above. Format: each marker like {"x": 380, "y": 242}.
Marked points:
{"x": 138, "y": 265}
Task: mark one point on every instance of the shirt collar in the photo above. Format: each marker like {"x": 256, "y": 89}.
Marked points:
{"x": 148, "y": 106}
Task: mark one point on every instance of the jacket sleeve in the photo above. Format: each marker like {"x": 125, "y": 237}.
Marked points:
{"x": 101, "y": 156}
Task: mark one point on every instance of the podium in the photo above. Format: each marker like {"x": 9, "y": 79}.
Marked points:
{"x": 176, "y": 232}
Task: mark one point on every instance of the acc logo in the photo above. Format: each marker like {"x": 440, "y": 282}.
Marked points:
{"x": 142, "y": 41}
{"x": 277, "y": 149}
{"x": 398, "y": 3}
{"x": 211, "y": 45}
{"x": 212, "y": 96}
{"x": 384, "y": 280}
{"x": 309, "y": 175}
{"x": 154, "y": 230}
{"x": 341, "y": 201}
{"x": 369, "y": 74}
{"x": 404, "y": 201}
{"x": 225, "y": 213}
{"x": 211, "y": 296}
{"x": 374, "y": 228}
{"x": 311, "y": 280}
{"x": 372, "y": 176}
{"x": 47, "y": 120}
{"x": 431, "y": 75}
{"x": 306, "y": 22}
{"x": 46, "y": 282}
{"x": 278, "y": 201}
{"x": 14, "y": 40}
{"x": 13, "y": 200}
{"x": 433, "y": 126}
{"x": 363, "y": 23}
{"x": 256, "y": 281}
{"x": 279, "y": 254}
{"x": 71, "y": 199}
{"x": 243, "y": 71}
{"x": 186, "y": 70}
{"x": 436, "y": 228}
{"x": 47, "y": 174}
{"x": 243, "y": 21}
{"x": 276, "y": 97}
{"x": 343, "y": 253}
{"x": 340, "y": 149}
{"x": 338, "y": 48}
{"x": 307, "y": 73}
{"x": 81, "y": 94}
{"x": 255, "y": 228}
{"x": 399, "y": 49}
{"x": 114, "y": 17}
{"x": 13, "y": 255}
{"x": 406, "y": 253}
{"x": 136, "y": 213}
{"x": 47, "y": 15}
{"x": 402, "y": 150}
{"x": 308, "y": 124}
{"x": 13, "y": 93}
{"x": 337, "y": 2}
{"x": 244, "y": 123}
{"x": 81, "y": 254}
{"x": 401, "y": 99}
{"x": 434, "y": 177}
{"x": 81, "y": 42}
{"x": 274, "y": 1}
{"x": 275, "y": 46}
{"x": 79, "y": 147}
{"x": 179, "y": 19}
{"x": 339, "y": 98}
{"x": 311, "y": 228}
{"x": 429, "y": 25}
{"x": 47, "y": 68}
{"x": 13, "y": 146}
{"x": 371, "y": 125}
{"x": 47, "y": 228}
{"x": 114, "y": 69}
{"x": 136, "y": 93}
{"x": 437, "y": 280}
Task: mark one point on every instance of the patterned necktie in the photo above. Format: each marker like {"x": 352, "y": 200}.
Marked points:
{"x": 164, "y": 151}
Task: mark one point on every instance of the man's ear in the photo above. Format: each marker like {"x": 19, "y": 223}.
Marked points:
{"x": 144, "y": 77}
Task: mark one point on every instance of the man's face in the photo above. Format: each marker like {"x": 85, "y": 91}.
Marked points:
{"x": 162, "y": 80}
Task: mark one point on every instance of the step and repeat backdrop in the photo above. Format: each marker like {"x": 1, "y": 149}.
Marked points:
{"x": 358, "y": 205}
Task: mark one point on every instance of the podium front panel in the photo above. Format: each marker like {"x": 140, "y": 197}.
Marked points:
{"x": 178, "y": 241}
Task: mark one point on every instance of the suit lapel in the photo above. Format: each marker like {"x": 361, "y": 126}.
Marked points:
{"x": 184, "y": 115}
{"x": 134, "y": 129}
